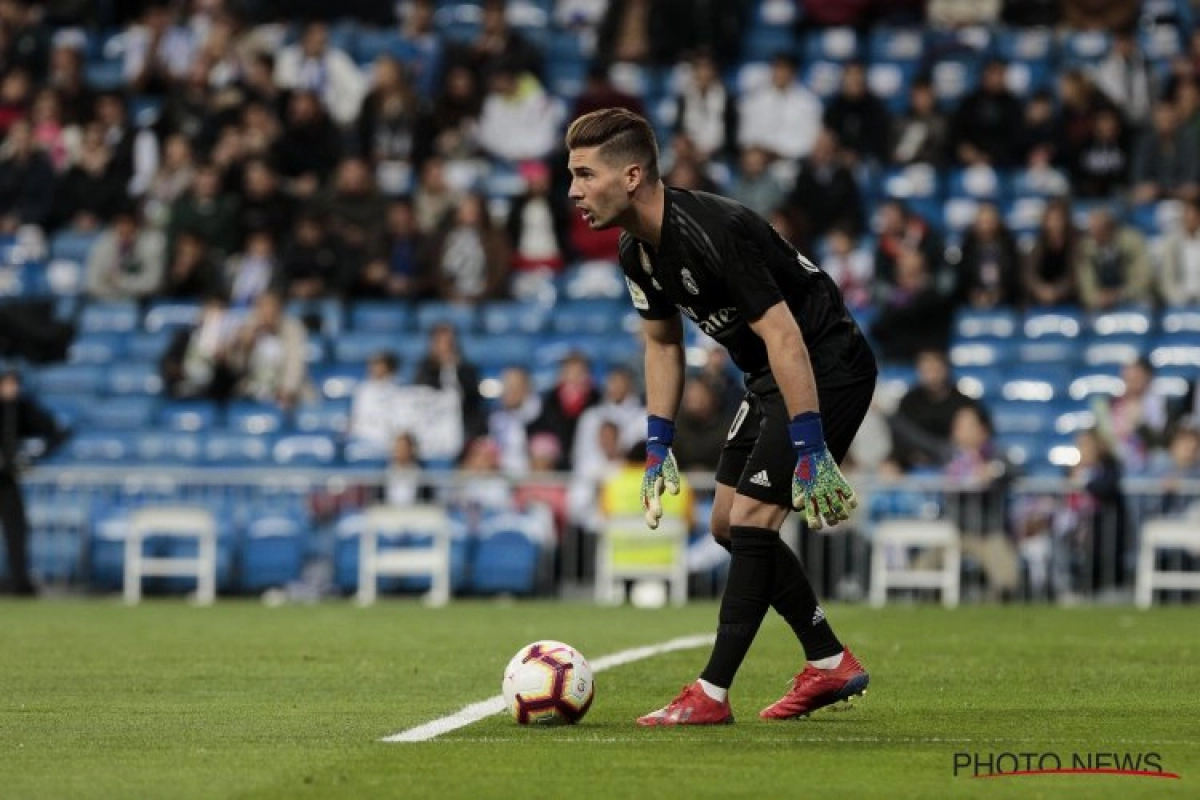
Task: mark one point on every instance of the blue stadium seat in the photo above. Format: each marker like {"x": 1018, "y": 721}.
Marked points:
{"x": 355, "y": 347}
{"x": 67, "y": 409}
{"x": 147, "y": 347}
{"x": 1116, "y": 350}
{"x": 959, "y": 213}
{"x": 1161, "y": 43}
{"x": 76, "y": 379}
{"x": 1177, "y": 350}
{"x": 97, "y": 447}
{"x": 513, "y": 317}
{"x": 96, "y": 348}
{"x": 188, "y": 415}
{"x": 982, "y": 353}
{"x": 236, "y": 449}
{"x": 979, "y": 182}
{"x": 823, "y": 77}
{"x": 72, "y": 246}
{"x": 121, "y": 414}
{"x": 1070, "y": 421}
{"x": 371, "y": 43}
{"x": 1034, "y": 385}
{"x": 1030, "y": 184}
{"x": 1085, "y": 48}
{"x": 104, "y": 76}
{"x": 431, "y": 313}
{"x": 979, "y": 382}
{"x": 171, "y": 315}
{"x": 973, "y": 324}
{"x": 106, "y": 546}
{"x": 831, "y": 44}
{"x": 497, "y": 350}
{"x": 769, "y": 39}
{"x": 1048, "y": 351}
{"x": 346, "y": 556}
{"x": 337, "y": 382}
{"x": 1096, "y": 382}
{"x": 254, "y": 419}
{"x": 912, "y": 182}
{"x": 59, "y": 537}
{"x": 380, "y": 317}
{"x": 1062, "y": 323}
{"x": 167, "y": 447}
{"x": 1123, "y": 322}
{"x": 133, "y": 379}
{"x": 1181, "y": 320}
{"x": 272, "y": 552}
{"x": 1023, "y": 78}
{"x": 304, "y": 450}
{"x": 1024, "y": 44}
{"x": 507, "y": 557}
{"x": 891, "y": 81}
{"x": 895, "y": 44}
{"x": 1173, "y": 382}
{"x": 323, "y": 316}
{"x": 113, "y": 317}
{"x": 598, "y": 317}
{"x": 331, "y": 417}
{"x": 1024, "y": 215}
{"x": 365, "y": 454}
{"x": 1020, "y": 418}
{"x": 953, "y": 79}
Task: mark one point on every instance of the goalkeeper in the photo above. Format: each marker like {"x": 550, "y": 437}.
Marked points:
{"x": 809, "y": 377}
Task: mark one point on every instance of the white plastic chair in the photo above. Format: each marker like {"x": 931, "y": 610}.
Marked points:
{"x": 628, "y": 550}
{"x": 180, "y": 521}
{"x": 903, "y": 534}
{"x": 1164, "y": 534}
{"x": 434, "y": 560}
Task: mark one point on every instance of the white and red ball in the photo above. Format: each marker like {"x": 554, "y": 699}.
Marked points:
{"x": 548, "y": 683}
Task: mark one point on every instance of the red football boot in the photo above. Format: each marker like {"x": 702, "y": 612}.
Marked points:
{"x": 816, "y": 688}
{"x": 691, "y": 707}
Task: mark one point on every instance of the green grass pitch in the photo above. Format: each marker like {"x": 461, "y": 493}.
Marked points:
{"x": 244, "y": 701}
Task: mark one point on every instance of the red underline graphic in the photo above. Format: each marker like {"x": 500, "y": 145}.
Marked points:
{"x": 1096, "y": 771}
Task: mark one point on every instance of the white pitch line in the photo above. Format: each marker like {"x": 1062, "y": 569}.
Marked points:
{"x": 494, "y": 705}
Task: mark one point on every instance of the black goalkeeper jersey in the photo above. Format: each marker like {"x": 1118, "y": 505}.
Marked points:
{"x": 723, "y": 266}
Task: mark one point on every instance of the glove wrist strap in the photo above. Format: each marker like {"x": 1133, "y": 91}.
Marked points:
{"x": 659, "y": 430}
{"x": 806, "y": 431}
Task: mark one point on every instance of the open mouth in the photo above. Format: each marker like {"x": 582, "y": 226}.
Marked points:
{"x": 588, "y": 216}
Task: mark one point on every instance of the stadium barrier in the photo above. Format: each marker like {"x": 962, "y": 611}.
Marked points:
{"x": 1028, "y": 539}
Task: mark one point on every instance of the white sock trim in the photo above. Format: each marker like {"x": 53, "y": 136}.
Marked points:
{"x": 832, "y": 662}
{"x": 714, "y": 691}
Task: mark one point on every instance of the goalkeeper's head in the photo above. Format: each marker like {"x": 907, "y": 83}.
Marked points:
{"x": 612, "y": 156}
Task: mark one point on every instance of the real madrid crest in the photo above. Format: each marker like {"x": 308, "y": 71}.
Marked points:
{"x": 689, "y": 282}
{"x": 646, "y": 265}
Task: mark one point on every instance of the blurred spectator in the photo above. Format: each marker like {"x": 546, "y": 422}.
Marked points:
{"x": 976, "y": 501}
{"x": 544, "y": 453}
{"x": 1048, "y": 269}
{"x": 26, "y": 181}
{"x": 310, "y": 266}
{"x": 372, "y": 406}
{"x": 857, "y": 117}
{"x": 354, "y": 201}
{"x": 67, "y": 79}
{"x": 579, "y": 15}
{"x": 403, "y": 485}
{"x": 620, "y": 405}
{"x": 986, "y": 127}
{"x": 397, "y": 270}
{"x": 260, "y": 131}
{"x": 470, "y": 258}
{"x": 1100, "y": 15}
{"x": 264, "y": 205}
{"x": 924, "y": 419}
{"x": 222, "y": 59}
{"x": 914, "y": 315}
{"x": 1092, "y": 526}
{"x": 962, "y": 13}
{"x": 519, "y": 121}
{"x": 91, "y": 191}
{"x": 387, "y": 125}
{"x": 755, "y": 186}
{"x": 705, "y": 111}
{"x": 1039, "y": 129}
{"x": 1179, "y": 275}
{"x": 309, "y": 147}
{"x": 686, "y": 171}
{"x": 1166, "y": 162}
{"x": 718, "y": 371}
{"x": 1187, "y": 104}
{"x": 783, "y": 116}
{"x": 198, "y": 361}
{"x": 270, "y": 352}
{"x": 254, "y": 270}
{"x": 497, "y": 43}
{"x": 825, "y": 193}
{"x": 1128, "y": 78}
{"x": 589, "y": 475}
{"x": 481, "y": 486}
{"x": 172, "y": 180}
{"x": 508, "y": 425}
{"x": 192, "y": 272}
{"x": 58, "y": 140}
{"x": 989, "y": 271}
{"x": 312, "y": 65}
{"x": 128, "y": 259}
{"x": 26, "y": 41}
{"x": 21, "y": 418}
{"x": 1032, "y": 13}
{"x": 1135, "y": 421}
{"x": 851, "y": 267}
{"x": 1178, "y": 464}
{"x": 434, "y": 197}
{"x": 418, "y": 31}
{"x": 1100, "y": 167}
{"x": 701, "y": 428}
{"x": 631, "y": 33}
{"x": 901, "y": 229}
{"x": 922, "y": 134}
{"x": 1111, "y": 264}
{"x": 158, "y": 52}
{"x": 600, "y": 92}
{"x": 1079, "y": 101}
{"x": 258, "y": 79}
{"x": 538, "y": 224}
{"x": 445, "y": 368}
{"x": 16, "y": 97}
{"x": 837, "y": 13}
{"x": 207, "y": 213}
{"x": 188, "y": 110}
{"x": 453, "y": 129}
{"x": 565, "y": 402}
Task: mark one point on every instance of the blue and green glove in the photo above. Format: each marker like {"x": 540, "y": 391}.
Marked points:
{"x": 662, "y": 473}
{"x": 818, "y": 487}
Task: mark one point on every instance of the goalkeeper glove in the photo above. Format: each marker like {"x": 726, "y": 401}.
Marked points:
{"x": 818, "y": 487}
{"x": 662, "y": 473}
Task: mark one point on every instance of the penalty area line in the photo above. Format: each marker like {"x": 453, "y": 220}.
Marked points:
{"x": 495, "y": 705}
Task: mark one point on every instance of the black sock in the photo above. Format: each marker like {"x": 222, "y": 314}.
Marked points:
{"x": 745, "y": 603}
{"x": 793, "y": 597}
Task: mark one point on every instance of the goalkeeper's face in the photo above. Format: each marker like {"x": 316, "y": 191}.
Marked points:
{"x": 600, "y": 190}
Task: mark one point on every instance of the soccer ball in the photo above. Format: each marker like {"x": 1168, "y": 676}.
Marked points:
{"x": 548, "y": 683}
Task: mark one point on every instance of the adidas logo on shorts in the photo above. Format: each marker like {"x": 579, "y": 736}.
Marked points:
{"x": 760, "y": 479}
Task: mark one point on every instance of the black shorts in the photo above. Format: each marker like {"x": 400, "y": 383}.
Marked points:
{"x": 758, "y": 459}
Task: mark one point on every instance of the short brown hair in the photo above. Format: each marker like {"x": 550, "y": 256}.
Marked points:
{"x": 620, "y": 134}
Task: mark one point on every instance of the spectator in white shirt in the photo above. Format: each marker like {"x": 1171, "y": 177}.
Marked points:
{"x": 519, "y": 121}
{"x": 314, "y": 66}
{"x": 1128, "y": 79}
{"x": 508, "y": 425}
{"x": 621, "y": 406}
{"x": 704, "y": 110}
{"x": 157, "y": 53}
{"x": 372, "y": 408}
{"x": 1179, "y": 276}
{"x": 783, "y": 117}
